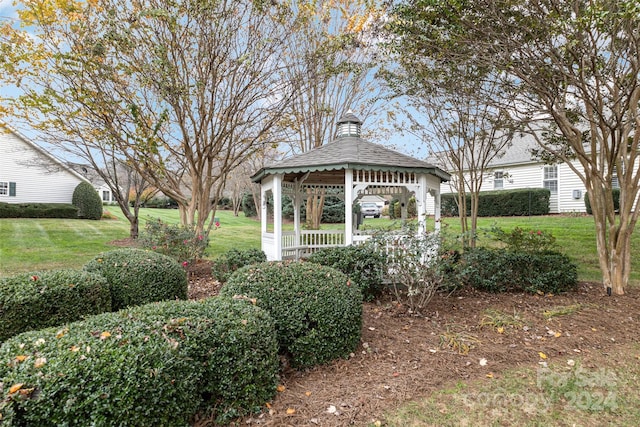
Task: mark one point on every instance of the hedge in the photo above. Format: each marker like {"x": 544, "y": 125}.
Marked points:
{"x": 616, "y": 201}
{"x": 148, "y": 366}
{"x": 37, "y": 300}
{"x": 501, "y": 270}
{"x": 38, "y": 210}
{"x": 317, "y": 311}
{"x": 520, "y": 202}
{"x": 234, "y": 259}
{"x": 137, "y": 277}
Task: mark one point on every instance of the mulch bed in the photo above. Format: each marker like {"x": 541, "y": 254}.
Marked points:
{"x": 402, "y": 357}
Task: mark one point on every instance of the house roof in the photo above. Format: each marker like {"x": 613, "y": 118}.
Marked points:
{"x": 350, "y": 152}
{"x": 4, "y": 127}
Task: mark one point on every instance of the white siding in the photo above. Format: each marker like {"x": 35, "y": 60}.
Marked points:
{"x": 39, "y": 177}
{"x": 531, "y": 176}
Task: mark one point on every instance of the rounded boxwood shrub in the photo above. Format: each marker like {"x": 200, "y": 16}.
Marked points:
{"x": 233, "y": 259}
{"x": 232, "y": 342}
{"x": 136, "y": 276}
{"x": 146, "y": 366}
{"x": 362, "y": 264}
{"x": 37, "y": 300}
{"x": 87, "y": 200}
{"x": 500, "y": 270}
{"x": 317, "y": 312}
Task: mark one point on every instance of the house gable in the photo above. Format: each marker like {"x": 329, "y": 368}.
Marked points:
{"x": 32, "y": 175}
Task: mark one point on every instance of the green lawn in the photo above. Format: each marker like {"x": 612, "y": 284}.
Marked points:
{"x": 32, "y": 244}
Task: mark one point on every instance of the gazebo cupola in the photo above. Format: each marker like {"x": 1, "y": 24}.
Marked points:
{"x": 348, "y": 167}
{"x": 349, "y": 125}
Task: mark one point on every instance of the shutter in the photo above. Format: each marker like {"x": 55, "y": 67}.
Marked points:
{"x": 12, "y": 189}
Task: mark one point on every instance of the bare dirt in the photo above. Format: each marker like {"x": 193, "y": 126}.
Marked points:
{"x": 402, "y": 357}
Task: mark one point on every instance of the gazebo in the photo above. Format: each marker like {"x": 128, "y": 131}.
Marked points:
{"x": 348, "y": 167}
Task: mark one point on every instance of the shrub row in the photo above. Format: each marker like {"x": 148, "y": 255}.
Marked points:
{"x": 111, "y": 281}
{"x": 501, "y": 270}
{"x": 158, "y": 364}
{"x": 520, "y": 202}
{"x": 38, "y": 300}
{"x": 364, "y": 266}
{"x": 38, "y": 210}
{"x": 316, "y": 310}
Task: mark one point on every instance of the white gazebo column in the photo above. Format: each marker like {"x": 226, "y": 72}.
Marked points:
{"x": 277, "y": 215}
{"x": 297, "y": 202}
{"x": 348, "y": 207}
{"x": 421, "y": 205}
{"x": 436, "y": 209}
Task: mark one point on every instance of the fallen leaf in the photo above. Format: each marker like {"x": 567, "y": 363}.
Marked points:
{"x": 291, "y": 411}
{"x": 74, "y": 348}
{"x": 542, "y": 355}
{"x": 332, "y": 409}
{"x": 105, "y": 335}
{"x": 21, "y": 358}
{"x": 307, "y": 393}
{"x": 557, "y": 334}
{"x": 268, "y": 405}
{"x": 501, "y": 330}
{"x": 15, "y": 388}
{"x": 40, "y": 361}
{"x": 280, "y": 388}
{"x": 489, "y": 375}
{"x": 483, "y": 362}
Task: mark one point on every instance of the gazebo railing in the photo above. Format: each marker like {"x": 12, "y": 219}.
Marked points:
{"x": 310, "y": 242}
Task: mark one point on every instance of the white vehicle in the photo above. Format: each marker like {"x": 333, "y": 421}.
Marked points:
{"x": 370, "y": 209}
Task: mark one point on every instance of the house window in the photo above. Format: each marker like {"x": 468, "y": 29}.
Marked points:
{"x": 7, "y": 189}
{"x": 550, "y": 178}
{"x": 106, "y": 196}
{"x": 498, "y": 180}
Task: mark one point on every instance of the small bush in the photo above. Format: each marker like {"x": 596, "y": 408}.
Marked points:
{"x": 519, "y": 239}
{"x": 364, "y": 266}
{"x": 501, "y": 270}
{"x": 318, "y": 314}
{"x": 181, "y": 243}
{"x": 234, "y": 259}
{"x": 136, "y": 276}
{"x": 615, "y": 193}
{"x": 88, "y": 201}
{"x": 38, "y": 300}
{"x": 148, "y": 366}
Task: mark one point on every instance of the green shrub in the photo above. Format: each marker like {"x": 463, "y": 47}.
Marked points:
{"x": 248, "y": 206}
{"x": 87, "y": 200}
{"x": 50, "y": 298}
{"x": 136, "y": 276}
{"x": 520, "y": 239}
{"x": 501, "y": 270}
{"x": 318, "y": 314}
{"x": 233, "y": 344}
{"x": 181, "y": 243}
{"x": 152, "y": 365}
{"x": 38, "y": 210}
{"x": 615, "y": 192}
{"x": 233, "y": 259}
{"x": 364, "y": 266}
{"x": 519, "y": 202}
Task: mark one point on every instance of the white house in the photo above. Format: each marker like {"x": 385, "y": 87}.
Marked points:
{"x": 29, "y": 174}
{"x": 518, "y": 168}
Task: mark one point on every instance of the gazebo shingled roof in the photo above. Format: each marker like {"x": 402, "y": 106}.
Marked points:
{"x": 350, "y": 153}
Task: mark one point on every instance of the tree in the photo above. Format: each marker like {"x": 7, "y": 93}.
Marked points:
{"x": 181, "y": 91}
{"x": 573, "y": 63}
{"x": 331, "y": 67}
{"x": 465, "y": 132}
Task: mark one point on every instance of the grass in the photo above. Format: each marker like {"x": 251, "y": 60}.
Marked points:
{"x": 44, "y": 244}
{"x": 31, "y": 244}
{"x": 566, "y": 393}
